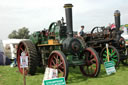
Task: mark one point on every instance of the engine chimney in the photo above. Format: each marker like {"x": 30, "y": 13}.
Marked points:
{"x": 68, "y": 12}
{"x": 117, "y": 19}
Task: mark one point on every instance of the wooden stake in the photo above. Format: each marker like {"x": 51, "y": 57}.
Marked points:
{"x": 24, "y": 77}
{"x": 107, "y": 52}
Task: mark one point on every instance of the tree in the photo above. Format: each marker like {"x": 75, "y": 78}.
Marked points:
{"x": 13, "y": 34}
{"x": 22, "y": 33}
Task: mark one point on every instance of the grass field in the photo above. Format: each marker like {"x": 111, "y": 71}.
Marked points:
{"x": 11, "y": 76}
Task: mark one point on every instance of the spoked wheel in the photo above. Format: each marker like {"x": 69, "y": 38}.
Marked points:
{"x": 30, "y": 50}
{"x": 113, "y": 55}
{"x": 125, "y": 61}
{"x": 92, "y": 66}
{"x": 57, "y": 60}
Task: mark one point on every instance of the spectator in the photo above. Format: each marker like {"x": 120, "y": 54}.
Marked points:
{"x": 14, "y": 63}
{"x": 15, "y": 52}
{"x": 81, "y": 31}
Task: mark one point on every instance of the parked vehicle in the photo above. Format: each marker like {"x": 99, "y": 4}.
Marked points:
{"x": 100, "y": 36}
{"x": 57, "y": 48}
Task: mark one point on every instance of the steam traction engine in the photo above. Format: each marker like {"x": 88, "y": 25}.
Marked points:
{"x": 100, "y": 36}
{"x": 57, "y": 48}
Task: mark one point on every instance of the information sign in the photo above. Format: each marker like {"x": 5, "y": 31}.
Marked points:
{"x": 110, "y": 67}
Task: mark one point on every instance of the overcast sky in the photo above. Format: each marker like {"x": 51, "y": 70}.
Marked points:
{"x": 38, "y": 14}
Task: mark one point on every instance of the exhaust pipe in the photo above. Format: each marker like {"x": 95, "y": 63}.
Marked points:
{"x": 68, "y": 12}
{"x": 117, "y": 19}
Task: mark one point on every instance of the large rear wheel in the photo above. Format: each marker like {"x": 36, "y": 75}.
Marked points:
{"x": 30, "y": 50}
{"x": 57, "y": 60}
{"x": 92, "y": 63}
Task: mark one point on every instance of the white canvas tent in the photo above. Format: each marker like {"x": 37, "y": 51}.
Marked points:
{"x": 9, "y": 46}
{"x": 2, "y": 55}
{"x": 7, "y": 50}
{"x": 1, "y": 46}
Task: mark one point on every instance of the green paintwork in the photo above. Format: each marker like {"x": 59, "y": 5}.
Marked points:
{"x": 53, "y": 32}
{"x": 39, "y": 38}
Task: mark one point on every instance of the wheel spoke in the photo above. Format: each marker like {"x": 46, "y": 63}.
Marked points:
{"x": 60, "y": 72}
{"x": 88, "y": 69}
{"x": 53, "y": 62}
{"x": 55, "y": 59}
{"x": 92, "y": 69}
{"x": 62, "y": 67}
{"x": 57, "y": 56}
{"x": 105, "y": 59}
{"x": 26, "y": 53}
{"x": 91, "y": 58}
{"x": 115, "y": 56}
{"x": 21, "y": 49}
{"x": 53, "y": 67}
{"x": 114, "y": 59}
{"x": 104, "y": 55}
{"x": 92, "y": 61}
{"x": 60, "y": 64}
{"x": 112, "y": 53}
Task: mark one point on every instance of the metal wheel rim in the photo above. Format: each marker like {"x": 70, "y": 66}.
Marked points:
{"x": 53, "y": 59}
{"x": 86, "y": 68}
{"x": 112, "y": 55}
{"x": 22, "y": 48}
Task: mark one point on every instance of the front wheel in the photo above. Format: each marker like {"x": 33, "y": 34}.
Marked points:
{"x": 92, "y": 63}
{"x": 57, "y": 60}
{"x": 125, "y": 61}
{"x": 113, "y": 55}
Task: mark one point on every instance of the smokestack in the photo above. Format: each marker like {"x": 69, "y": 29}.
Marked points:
{"x": 117, "y": 19}
{"x": 68, "y": 12}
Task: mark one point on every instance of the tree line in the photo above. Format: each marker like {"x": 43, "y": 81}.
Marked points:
{"x": 22, "y": 33}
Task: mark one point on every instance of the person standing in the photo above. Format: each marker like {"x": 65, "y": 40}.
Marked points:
{"x": 82, "y": 31}
{"x": 14, "y": 63}
{"x": 15, "y": 52}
